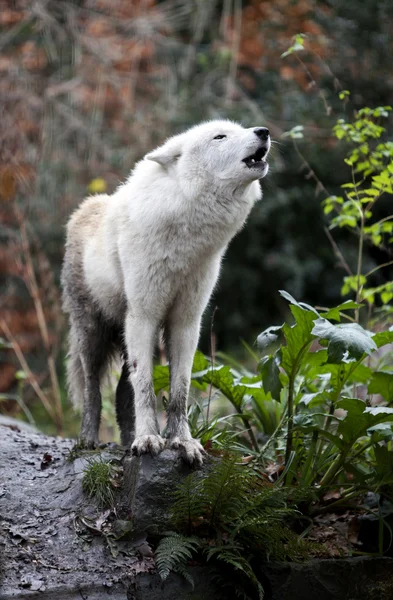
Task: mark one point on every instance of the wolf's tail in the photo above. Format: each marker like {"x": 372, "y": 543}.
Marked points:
{"x": 75, "y": 375}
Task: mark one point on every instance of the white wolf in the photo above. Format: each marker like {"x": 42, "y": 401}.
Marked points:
{"x": 147, "y": 259}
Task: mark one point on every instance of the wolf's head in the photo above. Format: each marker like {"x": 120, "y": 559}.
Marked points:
{"x": 220, "y": 152}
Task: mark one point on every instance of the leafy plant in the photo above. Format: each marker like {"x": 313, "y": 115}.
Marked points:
{"x": 371, "y": 164}
{"x": 230, "y": 515}
{"x": 172, "y": 554}
{"x": 99, "y": 481}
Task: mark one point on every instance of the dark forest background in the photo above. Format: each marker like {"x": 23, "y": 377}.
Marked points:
{"x": 87, "y": 87}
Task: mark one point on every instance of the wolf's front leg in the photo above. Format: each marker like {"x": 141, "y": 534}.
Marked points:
{"x": 140, "y": 338}
{"x": 183, "y": 340}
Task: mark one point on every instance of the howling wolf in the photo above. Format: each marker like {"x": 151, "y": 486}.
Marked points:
{"x": 145, "y": 260}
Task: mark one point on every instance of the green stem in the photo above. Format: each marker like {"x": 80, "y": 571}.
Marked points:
{"x": 273, "y": 436}
{"x": 249, "y": 430}
{"x": 331, "y": 507}
{"x": 333, "y": 469}
{"x": 291, "y": 395}
{"x": 291, "y": 390}
{"x": 360, "y": 251}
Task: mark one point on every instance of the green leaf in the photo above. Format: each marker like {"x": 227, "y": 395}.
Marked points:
{"x": 382, "y": 338}
{"x": 161, "y": 378}
{"x": 298, "y": 337}
{"x": 200, "y": 362}
{"x": 270, "y": 372}
{"x": 355, "y": 423}
{"x": 384, "y": 460}
{"x": 20, "y": 375}
{"x": 381, "y": 431}
{"x": 295, "y": 133}
{"x": 268, "y": 336}
{"x": 334, "y": 313}
{"x": 361, "y": 374}
{"x": 223, "y": 379}
{"x": 4, "y": 344}
{"x": 360, "y": 418}
{"x": 377, "y": 411}
{"x": 344, "y": 94}
{"x": 314, "y": 399}
{"x": 382, "y": 383}
{"x": 346, "y": 342}
{"x": 301, "y": 305}
{"x": 297, "y": 46}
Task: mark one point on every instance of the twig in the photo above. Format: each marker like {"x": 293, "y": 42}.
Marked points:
{"x": 31, "y": 378}
{"x": 31, "y": 282}
{"x": 386, "y": 264}
{"x": 338, "y": 252}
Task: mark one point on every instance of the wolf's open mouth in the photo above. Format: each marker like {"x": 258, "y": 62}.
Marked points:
{"x": 256, "y": 159}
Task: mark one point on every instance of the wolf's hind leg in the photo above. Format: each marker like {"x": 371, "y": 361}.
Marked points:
{"x": 94, "y": 338}
{"x": 125, "y": 410}
{"x": 75, "y": 375}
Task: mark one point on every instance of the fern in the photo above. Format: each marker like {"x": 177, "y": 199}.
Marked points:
{"x": 188, "y": 502}
{"x": 233, "y": 555}
{"x": 238, "y": 519}
{"x": 172, "y": 554}
{"x": 215, "y": 498}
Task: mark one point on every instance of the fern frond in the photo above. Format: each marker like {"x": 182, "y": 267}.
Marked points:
{"x": 172, "y": 554}
{"x": 188, "y": 502}
{"x": 233, "y": 555}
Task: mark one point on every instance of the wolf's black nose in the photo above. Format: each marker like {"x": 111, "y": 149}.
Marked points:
{"x": 262, "y": 132}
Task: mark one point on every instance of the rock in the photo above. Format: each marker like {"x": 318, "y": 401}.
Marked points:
{"x": 148, "y": 488}
{"x": 331, "y": 579}
{"x": 47, "y": 553}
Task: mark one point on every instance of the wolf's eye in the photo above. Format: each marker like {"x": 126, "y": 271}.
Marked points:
{"x": 219, "y": 137}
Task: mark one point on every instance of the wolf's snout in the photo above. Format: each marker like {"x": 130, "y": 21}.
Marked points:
{"x": 262, "y": 132}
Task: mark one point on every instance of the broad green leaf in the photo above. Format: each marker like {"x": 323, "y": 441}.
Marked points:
{"x": 268, "y": 337}
{"x": 356, "y": 422}
{"x": 222, "y": 378}
{"x": 301, "y": 305}
{"x": 270, "y": 372}
{"x": 382, "y": 338}
{"x": 161, "y": 378}
{"x": 360, "y": 418}
{"x": 381, "y": 431}
{"x": 312, "y": 399}
{"x": 384, "y": 461}
{"x": 334, "y": 313}
{"x": 361, "y": 374}
{"x": 378, "y": 411}
{"x": 382, "y": 383}
{"x": 200, "y": 362}
{"x": 346, "y": 342}
{"x": 298, "y": 337}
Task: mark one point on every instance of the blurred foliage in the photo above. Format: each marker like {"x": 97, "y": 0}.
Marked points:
{"x": 88, "y": 86}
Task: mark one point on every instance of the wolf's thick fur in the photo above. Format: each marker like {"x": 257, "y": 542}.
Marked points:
{"x": 147, "y": 258}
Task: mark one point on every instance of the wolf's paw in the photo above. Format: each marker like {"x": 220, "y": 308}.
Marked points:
{"x": 148, "y": 444}
{"x": 191, "y": 450}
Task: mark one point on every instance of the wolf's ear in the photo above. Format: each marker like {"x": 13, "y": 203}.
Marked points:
{"x": 167, "y": 153}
